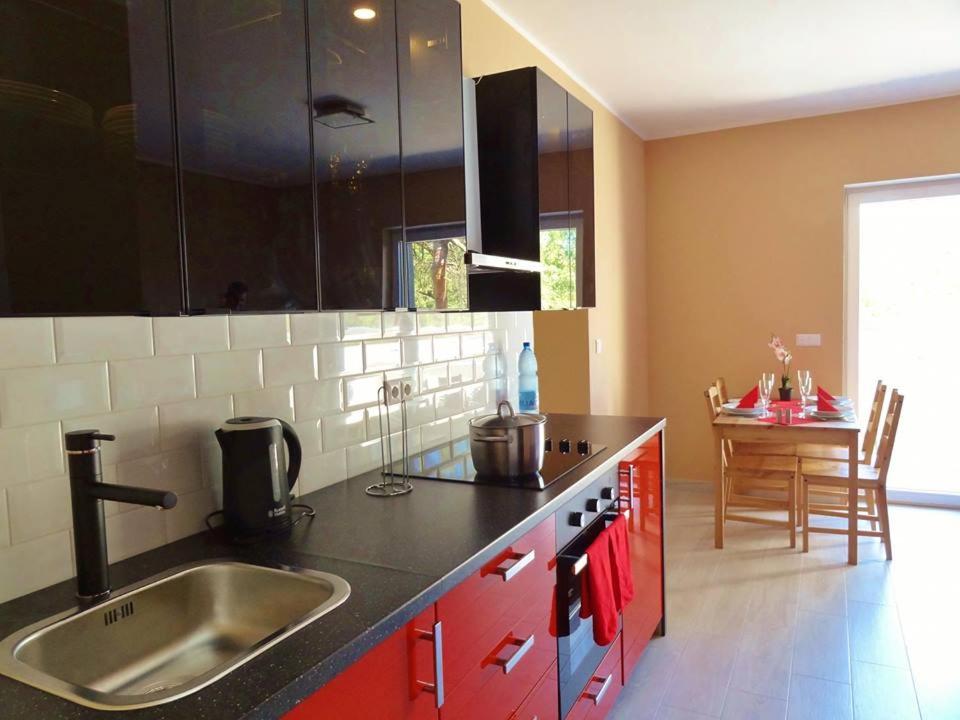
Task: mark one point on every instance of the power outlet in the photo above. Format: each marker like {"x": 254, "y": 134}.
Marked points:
{"x": 398, "y": 390}
{"x": 808, "y": 340}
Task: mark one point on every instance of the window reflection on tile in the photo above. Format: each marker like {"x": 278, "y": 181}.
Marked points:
{"x": 342, "y": 359}
{"x": 361, "y": 325}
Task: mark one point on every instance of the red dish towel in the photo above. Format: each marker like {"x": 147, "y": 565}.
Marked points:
{"x": 596, "y": 591}
{"x": 620, "y": 562}
{"x": 750, "y": 399}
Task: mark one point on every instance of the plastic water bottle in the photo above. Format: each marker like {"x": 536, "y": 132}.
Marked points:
{"x": 529, "y": 385}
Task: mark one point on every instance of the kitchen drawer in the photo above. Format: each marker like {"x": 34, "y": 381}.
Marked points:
{"x": 543, "y": 703}
{"x": 600, "y": 694}
{"x": 497, "y": 636}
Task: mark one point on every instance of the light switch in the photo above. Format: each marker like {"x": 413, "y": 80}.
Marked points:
{"x": 808, "y": 339}
{"x": 598, "y": 346}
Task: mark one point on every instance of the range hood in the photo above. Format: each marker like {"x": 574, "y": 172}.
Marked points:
{"x": 476, "y": 260}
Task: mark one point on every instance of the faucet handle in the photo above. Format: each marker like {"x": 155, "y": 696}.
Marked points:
{"x": 85, "y": 440}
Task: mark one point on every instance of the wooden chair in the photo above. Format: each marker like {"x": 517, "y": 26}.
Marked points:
{"x": 746, "y": 476}
{"x": 721, "y": 385}
{"x": 832, "y": 474}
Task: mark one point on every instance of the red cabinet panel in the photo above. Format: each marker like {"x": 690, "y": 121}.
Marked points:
{"x": 641, "y": 481}
{"x": 543, "y": 703}
{"x": 385, "y": 684}
{"x": 600, "y": 694}
{"x": 497, "y": 630}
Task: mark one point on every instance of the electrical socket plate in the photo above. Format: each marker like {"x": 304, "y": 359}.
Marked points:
{"x": 808, "y": 340}
{"x": 398, "y": 389}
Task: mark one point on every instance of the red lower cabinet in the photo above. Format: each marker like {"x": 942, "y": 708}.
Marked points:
{"x": 394, "y": 681}
{"x": 543, "y": 703}
{"x": 641, "y": 479}
{"x": 498, "y": 642}
{"x": 600, "y": 694}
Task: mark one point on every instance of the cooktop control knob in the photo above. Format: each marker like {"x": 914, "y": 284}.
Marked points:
{"x": 607, "y": 493}
{"x": 564, "y": 445}
{"x": 583, "y": 447}
{"x": 548, "y": 445}
{"x": 578, "y": 519}
{"x": 593, "y": 505}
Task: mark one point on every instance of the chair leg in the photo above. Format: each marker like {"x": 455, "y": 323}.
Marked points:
{"x": 792, "y": 510}
{"x": 872, "y": 506}
{"x": 805, "y": 511}
{"x": 885, "y": 520}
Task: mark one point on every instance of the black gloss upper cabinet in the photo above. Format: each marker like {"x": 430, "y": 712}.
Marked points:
{"x": 88, "y": 211}
{"x": 536, "y": 192}
{"x": 243, "y": 106}
{"x": 356, "y": 132}
{"x": 432, "y": 270}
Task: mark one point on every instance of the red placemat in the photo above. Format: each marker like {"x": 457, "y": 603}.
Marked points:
{"x": 794, "y": 420}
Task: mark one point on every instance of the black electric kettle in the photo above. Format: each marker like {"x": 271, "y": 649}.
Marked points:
{"x": 257, "y": 481}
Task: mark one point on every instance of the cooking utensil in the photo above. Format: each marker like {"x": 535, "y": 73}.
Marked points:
{"x": 507, "y": 444}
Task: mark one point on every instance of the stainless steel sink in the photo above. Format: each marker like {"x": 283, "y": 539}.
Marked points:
{"x": 170, "y": 635}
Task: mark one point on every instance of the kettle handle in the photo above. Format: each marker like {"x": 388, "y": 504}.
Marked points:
{"x": 295, "y": 452}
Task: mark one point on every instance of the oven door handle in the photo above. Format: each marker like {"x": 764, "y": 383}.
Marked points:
{"x": 605, "y": 684}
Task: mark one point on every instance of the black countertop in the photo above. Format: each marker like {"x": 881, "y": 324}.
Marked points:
{"x": 399, "y": 555}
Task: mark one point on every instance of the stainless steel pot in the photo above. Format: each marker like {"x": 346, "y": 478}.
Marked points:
{"x": 507, "y": 444}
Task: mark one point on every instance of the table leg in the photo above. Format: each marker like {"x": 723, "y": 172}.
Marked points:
{"x": 718, "y": 494}
{"x": 853, "y": 501}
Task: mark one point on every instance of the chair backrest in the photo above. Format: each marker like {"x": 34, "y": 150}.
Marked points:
{"x": 888, "y": 435}
{"x": 714, "y": 406}
{"x": 873, "y": 422}
{"x": 721, "y": 385}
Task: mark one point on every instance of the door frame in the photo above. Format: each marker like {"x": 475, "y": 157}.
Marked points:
{"x": 856, "y": 195}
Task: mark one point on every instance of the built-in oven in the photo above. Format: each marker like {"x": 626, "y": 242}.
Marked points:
{"x": 579, "y": 656}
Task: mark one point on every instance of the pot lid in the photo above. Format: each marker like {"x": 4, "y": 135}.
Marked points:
{"x": 506, "y": 418}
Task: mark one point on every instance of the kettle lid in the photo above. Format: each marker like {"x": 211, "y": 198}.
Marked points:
{"x": 249, "y": 423}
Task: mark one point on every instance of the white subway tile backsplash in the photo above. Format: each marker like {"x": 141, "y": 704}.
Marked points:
{"x": 342, "y": 359}
{"x": 362, "y": 390}
{"x": 172, "y": 381}
{"x": 374, "y": 418}
{"x": 272, "y": 402}
{"x": 228, "y": 372}
{"x": 397, "y": 324}
{"x": 137, "y": 432}
{"x": 381, "y": 355}
{"x": 259, "y": 331}
{"x": 185, "y": 335}
{"x": 428, "y": 323}
{"x": 361, "y": 325}
{"x": 417, "y": 350}
{"x": 289, "y": 365}
{"x": 137, "y": 383}
{"x": 86, "y": 339}
{"x": 340, "y": 431}
{"x": 314, "y": 400}
{"x": 446, "y": 347}
{"x": 31, "y": 565}
{"x": 36, "y": 395}
{"x": 192, "y": 423}
{"x": 30, "y": 453}
{"x": 26, "y": 342}
{"x": 313, "y": 328}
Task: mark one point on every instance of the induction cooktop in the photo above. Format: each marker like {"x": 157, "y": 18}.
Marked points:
{"x": 451, "y": 462}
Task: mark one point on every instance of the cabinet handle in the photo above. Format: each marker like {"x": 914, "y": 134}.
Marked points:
{"x": 604, "y": 686}
{"x": 436, "y": 636}
{"x": 521, "y": 561}
{"x": 523, "y": 647}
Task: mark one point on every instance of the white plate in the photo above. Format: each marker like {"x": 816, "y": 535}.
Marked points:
{"x": 838, "y": 400}
{"x": 731, "y": 408}
{"x": 830, "y": 416}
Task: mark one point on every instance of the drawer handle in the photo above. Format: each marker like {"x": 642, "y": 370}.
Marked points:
{"x": 436, "y": 637}
{"x": 604, "y": 686}
{"x": 523, "y": 647}
{"x": 521, "y": 561}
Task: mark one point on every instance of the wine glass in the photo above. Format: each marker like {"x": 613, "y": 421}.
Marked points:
{"x": 765, "y": 386}
{"x": 805, "y": 382}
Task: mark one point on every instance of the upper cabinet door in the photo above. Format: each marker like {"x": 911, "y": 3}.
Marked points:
{"x": 356, "y": 131}
{"x": 432, "y": 273}
{"x": 88, "y": 212}
{"x": 244, "y": 116}
{"x": 580, "y": 141}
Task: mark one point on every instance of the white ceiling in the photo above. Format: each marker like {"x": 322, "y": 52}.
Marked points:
{"x": 673, "y": 67}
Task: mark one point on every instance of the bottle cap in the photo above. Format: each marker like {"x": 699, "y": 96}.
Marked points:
{"x": 526, "y": 344}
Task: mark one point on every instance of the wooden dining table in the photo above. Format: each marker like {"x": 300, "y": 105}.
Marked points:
{"x": 840, "y": 433}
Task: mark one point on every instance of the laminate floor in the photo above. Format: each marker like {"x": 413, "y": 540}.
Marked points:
{"x": 758, "y": 631}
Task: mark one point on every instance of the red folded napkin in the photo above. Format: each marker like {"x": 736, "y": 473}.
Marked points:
{"x": 596, "y": 591}
{"x": 825, "y": 395}
{"x": 750, "y": 399}
{"x": 620, "y": 561}
{"x": 824, "y": 404}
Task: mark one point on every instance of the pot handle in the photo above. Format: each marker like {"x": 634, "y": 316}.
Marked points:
{"x": 501, "y": 405}
{"x": 494, "y": 439}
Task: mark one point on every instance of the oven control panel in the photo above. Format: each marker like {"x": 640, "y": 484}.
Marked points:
{"x": 598, "y": 497}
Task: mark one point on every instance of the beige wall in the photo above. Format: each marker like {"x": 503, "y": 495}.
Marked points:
{"x": 562, "y": 339}
{"x": 744, "y": 238}
{"x": 618, "y": 376}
